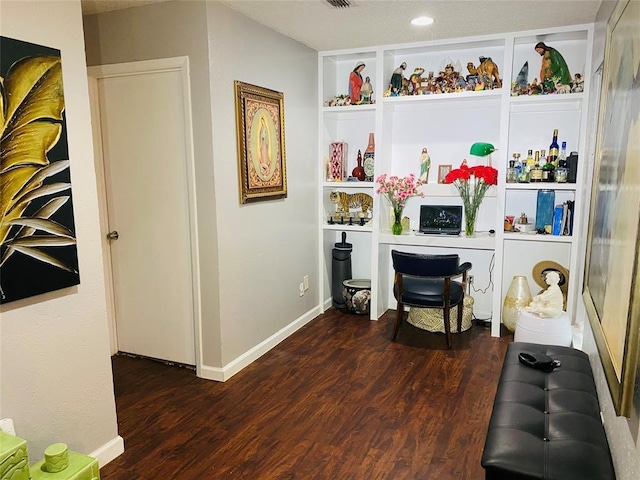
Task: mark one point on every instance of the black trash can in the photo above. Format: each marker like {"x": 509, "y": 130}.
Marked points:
{"x": 340, "y": 270}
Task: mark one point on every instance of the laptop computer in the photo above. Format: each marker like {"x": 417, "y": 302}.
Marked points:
{"x": 440, "y": 219}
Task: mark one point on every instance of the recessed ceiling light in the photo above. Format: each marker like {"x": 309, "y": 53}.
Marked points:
{"x": 422, "y": 21}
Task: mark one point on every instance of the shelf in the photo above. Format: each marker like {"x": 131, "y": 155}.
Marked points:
{"x": 447, "y": 124}
{"x": 481, "y": 241}
{"x": 348, "y": 184}
{"x": 447, "y": 190}
{"x": 549, "y": 98}
{"x": 435, "y": 97}
{"x": 347, "y": 228}
{"x": 541, "y": 186}
{"x": 534, "y": 237}
{"x": 350, "y": 108}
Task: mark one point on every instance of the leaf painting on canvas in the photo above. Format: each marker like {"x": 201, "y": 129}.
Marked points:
{"x": 37, "y": 240}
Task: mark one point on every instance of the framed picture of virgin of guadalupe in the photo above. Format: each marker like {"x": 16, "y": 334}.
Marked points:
{"x": 261, "y": 148}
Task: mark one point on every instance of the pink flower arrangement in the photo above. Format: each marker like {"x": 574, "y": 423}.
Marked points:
{"x": 398, "y": 190}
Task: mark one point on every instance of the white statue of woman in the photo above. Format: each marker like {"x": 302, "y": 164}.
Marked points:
{"x": 549, "y": 303}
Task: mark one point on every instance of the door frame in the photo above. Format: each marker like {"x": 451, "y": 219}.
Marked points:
{"x": 96, "y": 73}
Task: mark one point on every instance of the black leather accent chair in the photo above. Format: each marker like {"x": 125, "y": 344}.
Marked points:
{"x": 425, "y": 281}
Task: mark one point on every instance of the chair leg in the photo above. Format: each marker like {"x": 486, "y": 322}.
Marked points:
{"x": 447, "y": 325}
{"x": 460, "y": 310}
{"x": 399, "y": 314}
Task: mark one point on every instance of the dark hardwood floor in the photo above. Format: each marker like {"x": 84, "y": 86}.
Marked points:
{"x": 336, "y": 400}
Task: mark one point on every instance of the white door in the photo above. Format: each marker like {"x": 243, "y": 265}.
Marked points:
{"x": 144, "y": 152}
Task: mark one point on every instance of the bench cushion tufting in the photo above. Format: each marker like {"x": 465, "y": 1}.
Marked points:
{"x": 546, "y": 425}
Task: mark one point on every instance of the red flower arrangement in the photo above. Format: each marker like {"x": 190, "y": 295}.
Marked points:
{"x": 472, "y": 184}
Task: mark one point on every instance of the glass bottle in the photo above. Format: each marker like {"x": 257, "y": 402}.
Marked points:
{"x": 553, "y": 148}
{"x": 358, "y": 172}
{"x": 536, "y": 171}
{"x": 523, "y": 176}
{"x": 530, "y": 162}
{"x": 512, "y": 177}
{"x": 518, "y": 165}
{"x": 562, "y": 171}
{"x": 548, "y": 171}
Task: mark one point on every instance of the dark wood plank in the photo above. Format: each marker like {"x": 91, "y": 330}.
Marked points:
{"x": 336, "y": 400}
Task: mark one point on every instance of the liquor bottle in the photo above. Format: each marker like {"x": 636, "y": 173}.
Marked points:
{"x": 518, "y": 165}
{"x": 511, "y": 172}
{"x": 523, "y": 177}
{"x": 562, "y": 171}
{"x": 530, "y": 162}
{"x": 553, "y": 148}
{"x": 536, "y": 171}
{"x": 368, "y": 159}
{"x": 548, "y": 171}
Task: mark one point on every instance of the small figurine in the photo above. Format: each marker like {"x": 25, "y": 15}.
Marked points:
{"x": 425, "y": 164}
{"x": 521, "y": 79}
{"x": 397, "y": 78}
{"x": 553, "y": 64}
{"x": 366, "y": 92}
{"x": 473, "y": 71}
{"x": 355, "y": 83}
{"x": 415, "y": 80}
{"x": 488, "y": 71}
{"x": 578, "y": 84}
{"x": 549, "y": 303}
{"x": 534, "y": 88}
{"x": 345, "y": 200}
{"x": 559, "y": 87}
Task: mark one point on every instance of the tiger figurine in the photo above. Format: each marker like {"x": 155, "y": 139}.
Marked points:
{"x": 346, "y": 200}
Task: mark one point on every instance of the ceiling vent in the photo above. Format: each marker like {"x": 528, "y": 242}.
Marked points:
{"x": 339, "y": 3}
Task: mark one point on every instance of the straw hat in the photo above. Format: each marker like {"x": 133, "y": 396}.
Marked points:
{"x": 540, "y": 270}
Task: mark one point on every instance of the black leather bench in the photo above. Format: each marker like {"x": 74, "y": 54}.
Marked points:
{"x": 546, "y": 425}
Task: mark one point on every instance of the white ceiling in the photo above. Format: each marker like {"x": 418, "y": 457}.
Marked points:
{"x": 380, "y": 22}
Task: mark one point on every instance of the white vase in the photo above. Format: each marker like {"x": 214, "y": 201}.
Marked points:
{"x": 518, "y": 296}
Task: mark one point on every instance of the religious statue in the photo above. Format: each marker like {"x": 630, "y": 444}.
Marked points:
{"x": 549, "y": 303}
{"x": 398, "y": 79}
{"x": 366, "y": 92}
{"x": 425, "y": 164}
{"x": 553, "y": 65}
{"x": 355, "y": 83}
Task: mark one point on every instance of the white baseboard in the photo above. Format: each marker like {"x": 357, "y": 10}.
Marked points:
{"x": 110, "y": 450}
{"x": 225, "y": 373}
{"x": 328, "y": 303}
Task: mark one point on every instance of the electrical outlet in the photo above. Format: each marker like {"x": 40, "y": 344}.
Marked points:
{"x": 470, "y": 279}
{"x": 305, "y": 280}
{"x": 301, "y": 289}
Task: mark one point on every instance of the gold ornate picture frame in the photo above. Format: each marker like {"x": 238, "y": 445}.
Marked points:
{"x": 612, "y": 276}
{"x": 261, "y": 148}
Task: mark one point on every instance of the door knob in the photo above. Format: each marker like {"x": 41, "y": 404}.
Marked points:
{"x": 113, "y": 235}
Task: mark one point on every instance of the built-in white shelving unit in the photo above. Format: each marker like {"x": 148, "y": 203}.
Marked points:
{"x": 448, "y": 124}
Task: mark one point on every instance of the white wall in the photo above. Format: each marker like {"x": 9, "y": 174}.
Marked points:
{"x": 622, "y": 433}
{"x": 56, "y": 380}
{"x": 267, "y": 247}
{"x": 252, "y": 257}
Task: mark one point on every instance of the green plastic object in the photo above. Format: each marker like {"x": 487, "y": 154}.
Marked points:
{"x": 14, "y": 460}
{"x": 480, "y": 149}
{"x": 79, "y": 466}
